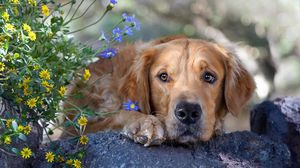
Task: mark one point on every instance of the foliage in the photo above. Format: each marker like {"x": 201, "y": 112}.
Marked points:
{"x": 38, "y": 59}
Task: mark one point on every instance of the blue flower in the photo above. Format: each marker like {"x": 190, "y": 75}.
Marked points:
{"x": 103, "y": 37}
{"x": 113, "y": 2}
{"x": 117, "y": 34}
{"x": 130, "y": 105}
{"x": 108, "y": 53}
{"x": 128, "y": 31}
{"x": 132, "y": 20}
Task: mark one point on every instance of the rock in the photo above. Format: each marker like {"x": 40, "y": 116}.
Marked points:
{"x": 33, "y": 141}
{"x": 239, "y": 149}
{"x": 280, "y": 121}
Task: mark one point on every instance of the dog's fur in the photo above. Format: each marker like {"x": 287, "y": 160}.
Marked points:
{"x": 134, "y": 74}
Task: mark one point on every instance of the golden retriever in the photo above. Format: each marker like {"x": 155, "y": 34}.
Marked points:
{"x": 183, "y": 87}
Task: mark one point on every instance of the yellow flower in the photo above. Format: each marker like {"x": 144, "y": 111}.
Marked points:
{"x": 50, "y": 157}
{"x": 84, "y": 140}
{"x": 62, "y": 90}
{"x": 60, "y": 158}
{"x": 7, "y": 140}
{"x": 5, "y": 16}
{"x": 82, "y": 121}
{"x": 45, "y": 10}
{"x": 14, "y": 1}
{"x": 87, "y": 74}
{"x": 44, "y": 74}
{"x": 20, "y": 128}
{"x": 32, "y": 2}
{"x": 26, "y": 153}
{"x": 8, "y": 122}
{"x": 32, "y": 36}
{"x": 46, "y": 85}
{"x": 9, "y": 27}
{"x": 26, "y": 27}
{"x": 50, "y": 34}
{"x": 2, "y": 66}
{"x": 26, "y": 92}
{"x": 77, "y": 163}
{"x": 69, "y": 161}
{"x": 32, "y": 102}
{"x": 27, "y": 130}
{"x": 35, "y": 67}
{"x": 26, "y": 80}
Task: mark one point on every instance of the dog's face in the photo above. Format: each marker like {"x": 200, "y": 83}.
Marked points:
{"x": 188, "y": 84}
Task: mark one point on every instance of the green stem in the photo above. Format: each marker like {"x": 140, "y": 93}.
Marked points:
{"x": 85, "y": 11}
{"x": 97, "y": 21}
{"x": 74, "y": 13}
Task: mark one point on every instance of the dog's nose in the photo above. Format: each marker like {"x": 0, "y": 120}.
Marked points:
{"x": 188, "y": 113}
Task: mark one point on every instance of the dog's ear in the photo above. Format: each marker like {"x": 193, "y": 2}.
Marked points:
{"x": 135, "y": 84}
{"x": 239, "y": 84}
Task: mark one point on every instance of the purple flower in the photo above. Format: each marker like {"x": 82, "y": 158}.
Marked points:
{"x": 132, "y": 20}
{"x": 117, "y": 34}
{"x": 113, "y": 2}
{"x": 108, "y": 53}
{"x": 128, "y": 31}
{"x": 130, "y": 105}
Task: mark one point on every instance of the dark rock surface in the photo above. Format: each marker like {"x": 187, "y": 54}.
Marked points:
{"x": 239, "y": 149}
{"x": 280, "y": 120}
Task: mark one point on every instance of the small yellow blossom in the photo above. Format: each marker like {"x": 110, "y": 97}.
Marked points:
{"x": 47, "y": 86}
{"x": 32, "y": 102}
{"x": 60, "y": 158}
{"x": 44, "y": 74}
{"x": 26, "y": 153}
{"x": 35, "y": 67}
{"x": 32, "y": 36}
{"x": 2, "y": 66}
{"x": 87, "y": 74}
{"x": 20, "y": 128}
{"x": 50, "y": 34}
{"x": 27, "y": 130}
{"x": 14, "y": 1}
{"x": 77, "y": 163}
{"x": 45, "y": 10}
{"x": 62, "y": 90}
{"x": 5, "y": 16}
{"x": 84, "y": 140}
{"x": 16, "y": 55}
{"x": 69, "y": 161}
{"x": 50, "y": 157}
{"x": 9, "y": 27}
{"x": 26, "y": 27}
{"x": 26, "y": 92}
{"x": 7, "y": 140}
{"x": 82, "y": 121}
{"x": 32, "y": 2}
{"x": 26, "y": 80}
{"x": 8, "y": 122}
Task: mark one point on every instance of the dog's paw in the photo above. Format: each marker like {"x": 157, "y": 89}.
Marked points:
{"x": 147, "y": 130}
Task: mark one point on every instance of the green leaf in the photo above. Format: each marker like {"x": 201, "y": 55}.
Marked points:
{"x": 22, "y": 137}
{"x": 14, "y": 125}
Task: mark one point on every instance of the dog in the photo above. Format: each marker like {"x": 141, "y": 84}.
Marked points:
{"x": 182, "y": 87}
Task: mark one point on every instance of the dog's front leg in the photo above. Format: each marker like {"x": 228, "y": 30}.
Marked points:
{"x": 142, "y": 128}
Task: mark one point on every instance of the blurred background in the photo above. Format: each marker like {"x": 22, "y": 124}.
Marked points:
{"x": 264, "y": 33}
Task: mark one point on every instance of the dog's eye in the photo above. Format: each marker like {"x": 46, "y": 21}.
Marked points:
{"x": 209, "y": 78}
{"x": 164, "y": 77}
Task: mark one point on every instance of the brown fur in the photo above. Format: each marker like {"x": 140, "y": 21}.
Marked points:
{"x": 133, "y": 74}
